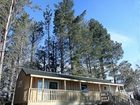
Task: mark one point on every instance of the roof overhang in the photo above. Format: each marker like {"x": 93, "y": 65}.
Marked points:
{"x": 68, "y": 79}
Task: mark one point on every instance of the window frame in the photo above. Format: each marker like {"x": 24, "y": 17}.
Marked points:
{"x": 54, "y": 82}
{"x": 86, "y": 89}
{"x": 48, "y": 83}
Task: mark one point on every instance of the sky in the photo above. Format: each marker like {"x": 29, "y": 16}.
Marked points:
{"x": 120, "y": 17}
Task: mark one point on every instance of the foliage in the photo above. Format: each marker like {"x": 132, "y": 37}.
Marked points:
{"x": 36, "y": 33}
{"x": 128, "y": 76}
{"x": 17, "y": 40}
{"x": 78, "y": 46}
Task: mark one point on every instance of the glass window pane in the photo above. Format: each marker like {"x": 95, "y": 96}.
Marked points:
{"x": 39, "y": 84}
{"x": 83, "y": 87}
{"x": 46, "y": 84}
{"x": 53, "y": 85}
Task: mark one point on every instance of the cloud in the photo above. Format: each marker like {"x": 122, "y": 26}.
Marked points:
{"x": 125, "y": 40}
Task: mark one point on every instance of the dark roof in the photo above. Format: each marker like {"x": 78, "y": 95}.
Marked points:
{"x": 44, "y": 73}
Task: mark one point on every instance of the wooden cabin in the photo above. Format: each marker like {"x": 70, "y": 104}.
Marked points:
{"x": 43, "y": 88}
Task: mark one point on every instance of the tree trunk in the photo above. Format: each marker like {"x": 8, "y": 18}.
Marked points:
{"x": 114, "y": 78}
{"x": 5, "y": 36}
{"x": 62, "y": 54}
{"x": 102, "y": 74}
{"x": 32, "y": 52}
{"x": 44, "y": 62}
{"x": 14, "y": 84}
{"x": 55, "y": 56}
{"x": 89, "y": 63}
{"x": 16, "y": 71}
{"x": 114, "y": 72}
{"x": 48, "y": 43}
{"x": 70, "y": 49}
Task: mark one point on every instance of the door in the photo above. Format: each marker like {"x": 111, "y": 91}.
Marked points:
{"x": 39, "y": 92}
{"x": 46, "y": 90}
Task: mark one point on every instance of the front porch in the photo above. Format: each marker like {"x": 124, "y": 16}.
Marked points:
{"x": 65, "y": 92}
{"x": 62, "y": 96}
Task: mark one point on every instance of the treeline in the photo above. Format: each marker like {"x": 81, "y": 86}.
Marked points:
{"x": 76, "y": 47}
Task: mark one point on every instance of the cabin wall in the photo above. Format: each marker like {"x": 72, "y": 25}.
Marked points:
{"x": 61, "y": 84}
{"x": 72, "y": 85}
{"x": 96, "y": 87}
{"x": 113, "y": 89}
{"x": 35, "y": 82}
{"x": 22, "y": 86}
{"x": 104, "y": 87}
{"x": 108, "y": 88}
{"x": 93, "y": 87}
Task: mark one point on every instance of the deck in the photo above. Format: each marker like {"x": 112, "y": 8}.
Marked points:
{"x": 35, "y": 96}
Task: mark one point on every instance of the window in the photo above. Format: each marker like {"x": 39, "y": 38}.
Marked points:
{"x": 84, "y": 87}
{"x": 40, "y": 84}
{"x": 53, "y": 85}
{"x": 105, "y": 88}
{"x": 46, "y": 84}
{"x": 121, "y": 87}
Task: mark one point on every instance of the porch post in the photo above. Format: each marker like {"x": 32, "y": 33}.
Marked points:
{"x": 65, "y": 85}
{"x": 42, "y": 83}
{"x": 123, "y": 88}
{"x": 117, "y": 88}
{"x": 30, "y": 87}
{"x": 109, "y": 88}
{"x": 80, "y": 85}
{"x": 100, "y": 87}
{"x": 42, "y": 89}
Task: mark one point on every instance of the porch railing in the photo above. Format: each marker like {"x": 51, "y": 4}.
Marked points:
{"x": 39, "y": 95}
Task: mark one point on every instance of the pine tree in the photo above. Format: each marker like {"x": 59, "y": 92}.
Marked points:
{"x": 41, "y": 57}
{"x": 101, "y": 44}
{"x": 9, "y": 10}
{"x": 63, "y": 10}
{"x": 47, "y": 16}
{"x": 116, "y": 55}
{"x": 17, "y": 47}
{"x": 35, "y": 36}
{"x": 66, "y": 30}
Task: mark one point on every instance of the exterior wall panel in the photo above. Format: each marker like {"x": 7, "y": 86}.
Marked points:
{"x": 22, "y": 86}
{"x": 35, "y": 94}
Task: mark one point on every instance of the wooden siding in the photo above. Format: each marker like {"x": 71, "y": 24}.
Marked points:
{"x": 35, "y": 82}
{"x": 93, "y": 87}
{"x": 60, "y": 82}
{"x": 68, "y": 96}
{"x": 24, "y": 93}
{"x": 113, "y": 89}
{"x": 74, "y": 85}
{"x": 22, "y": 87}
{"x": 70, "y": 85}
